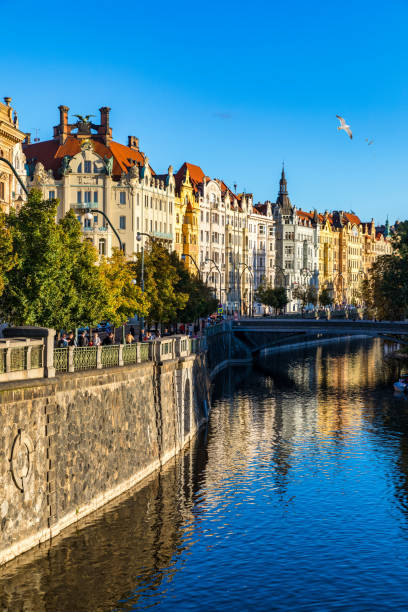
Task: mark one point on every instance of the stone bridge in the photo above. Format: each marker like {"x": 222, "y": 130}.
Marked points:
{"x": 235, "y": 342}
{"x": 262, "y": 333}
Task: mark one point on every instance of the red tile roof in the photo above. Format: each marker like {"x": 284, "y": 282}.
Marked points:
{"x": 50, "y": 153}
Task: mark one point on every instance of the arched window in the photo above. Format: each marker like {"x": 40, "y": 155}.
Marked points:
{"x": 102, "y": 246}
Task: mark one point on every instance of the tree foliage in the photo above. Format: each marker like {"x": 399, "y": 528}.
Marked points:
{"x": 161, "y": 283}
{"x": 124, "y": 297}
{"x": 55, "y": 282}
{"x": 325, "y": 298}
{"x": 200, "y": 302}
{"x": 8, "y": 259}
{"x": 385, "y": 291}
{"x": 274, "y": 297}
{"x": 306, "y": 295}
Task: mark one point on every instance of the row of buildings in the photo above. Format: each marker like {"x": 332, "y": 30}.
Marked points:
{"x": 232, "y": 242}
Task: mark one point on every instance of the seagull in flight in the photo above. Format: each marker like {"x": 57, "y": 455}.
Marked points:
{"x": 343, "y": 126}
{"x": 369, "y": 142}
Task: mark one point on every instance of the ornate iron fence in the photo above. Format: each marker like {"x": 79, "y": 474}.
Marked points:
{"x": 61, "y": 359}
{"x": 36, "y": 360}
{"x": 18, "y": 359}
{"x": 130, "y": 353}
{"x": 85, "y": 357}
{"x": 110, "y": 356}
{"x": 3, "y": 360}
{"x": 144, "y": 352}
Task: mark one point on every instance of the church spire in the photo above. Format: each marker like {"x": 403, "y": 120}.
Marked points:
{"x": 387, "y": 228}
{"x": 283, "y": 185}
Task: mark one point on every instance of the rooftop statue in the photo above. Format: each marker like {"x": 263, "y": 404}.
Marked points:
{"x": 108, "y": 165}
{"x": 84, "y": 124}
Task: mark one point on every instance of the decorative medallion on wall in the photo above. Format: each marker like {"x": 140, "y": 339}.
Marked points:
{"x": 21, "y": 459}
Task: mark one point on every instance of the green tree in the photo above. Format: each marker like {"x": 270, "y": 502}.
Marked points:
{"x": 161, "y": 282}
{"x": 124, "y": 297}
{"x": 55, "y": 280}
{"x": 200, "y": 302}
{"x": 274, "y": 297}
{"x": 8, "y": 259}
{"x": 385, "y": 291}
{"x": 325, "y": 298}
{"x": 306, "y": 295}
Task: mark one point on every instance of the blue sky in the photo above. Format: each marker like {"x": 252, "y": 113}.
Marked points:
{"x": 233, "y": 87}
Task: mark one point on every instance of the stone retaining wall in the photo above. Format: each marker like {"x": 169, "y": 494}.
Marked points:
{"x": 70, "y": 444}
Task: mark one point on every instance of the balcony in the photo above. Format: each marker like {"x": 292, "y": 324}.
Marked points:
{"x": 162, "y": 235}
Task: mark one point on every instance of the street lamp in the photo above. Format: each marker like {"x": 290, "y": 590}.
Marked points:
{"x": 14, "y": 171}
{"x": 183, "y": 258}
{"x": 139, "y": 238}
{"x": 246, "y": 267}
{"x": 88, "y": 215}
{"x": 219, "y": 272}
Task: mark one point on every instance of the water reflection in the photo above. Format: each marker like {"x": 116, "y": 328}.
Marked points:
{"x": 296, "y": 498}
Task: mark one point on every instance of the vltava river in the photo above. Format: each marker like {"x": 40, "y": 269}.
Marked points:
{"x": 294, "y": 499}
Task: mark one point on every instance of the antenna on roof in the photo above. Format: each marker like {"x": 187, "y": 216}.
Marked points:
{"x": 36, "y": 130}
{"x": 235, "y": 187}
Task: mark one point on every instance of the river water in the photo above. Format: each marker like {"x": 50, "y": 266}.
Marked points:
{"x": 294, "y": 498}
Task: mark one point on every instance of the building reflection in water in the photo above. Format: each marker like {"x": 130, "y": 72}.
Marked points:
{"x": 265, "y": 424}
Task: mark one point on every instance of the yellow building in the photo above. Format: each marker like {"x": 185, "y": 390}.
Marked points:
{"x": 186, "y": 218}
{"x": 10, "y": 138}
{"x": 329, "y": 258}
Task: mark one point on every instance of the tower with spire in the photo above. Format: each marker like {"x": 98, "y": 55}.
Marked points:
{"x": 283, "y": 199}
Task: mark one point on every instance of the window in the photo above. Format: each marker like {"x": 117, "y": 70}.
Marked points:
{"x": 102, "y": 246}
{"x": 95, "y": 166}
{"x": 170, "y": 207}
{"x": 177, "y": 218}
{"x": 122, "y": 223}
{"x": 124, "y": 248}
{"x": 137, "y": 223}
{"x": 87, "y": 222}
{"x": 95, "y": 196}
{"x": 79, "y": 197}
{"x": 87, "y": 197}
{"x": 122, "y": 197}
{"x": 151, "y": 225}
{"x": 51, "y": 195}
{"x": 79, "y": 168}
{"x": 96, "y": 219}
{"x": 87, "y": 166}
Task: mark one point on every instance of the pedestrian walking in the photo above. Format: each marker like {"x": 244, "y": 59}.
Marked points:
{"x": 96, "y": 341}
{"x": 141, "y": 335}
{"x": 109, "y": 340}
{"x": 83, "y": 340}
{"x": 71, "y": 339}
{"x": 129, "y": 338}
{"x": 62, "y": 342}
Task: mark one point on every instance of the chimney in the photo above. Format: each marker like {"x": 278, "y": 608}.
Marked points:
{"x": 63, "y": 124}
{"x": 133, "y": 143}
{"x": 104, "y": 130}
{"x": 27, "y": 139}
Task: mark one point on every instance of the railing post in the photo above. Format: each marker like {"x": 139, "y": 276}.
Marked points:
{"x": 71, "y": 366}
{"x": 138, "y": 355}
{"x": 28, "y": 357}
{"x": 99, "y": 357}
{"x": 120, "y": 363}
{"x": 8, "y": 357}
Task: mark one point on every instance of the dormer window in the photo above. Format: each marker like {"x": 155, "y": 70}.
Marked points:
{"x": 87, "y": 166}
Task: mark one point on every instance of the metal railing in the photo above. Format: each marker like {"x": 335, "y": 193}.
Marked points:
{"x": 21, "y": 358}
{"x": 72, "y": 359}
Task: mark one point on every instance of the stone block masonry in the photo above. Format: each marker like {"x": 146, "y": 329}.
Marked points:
{"x": 70, "y": 444}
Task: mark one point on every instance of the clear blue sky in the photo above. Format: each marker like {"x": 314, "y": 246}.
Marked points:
{"x": 233, "y": 87}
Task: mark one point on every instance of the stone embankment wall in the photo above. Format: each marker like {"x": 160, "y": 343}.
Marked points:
{"x": 70, "y": 444}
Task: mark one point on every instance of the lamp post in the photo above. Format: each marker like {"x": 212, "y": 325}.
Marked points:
{"x": 139, "y": 238}
{"x": 183, "y": 258}
{"x": 336, "y": 278}
{"x": 14, "y": 171}
{"x": 89, "y": 216}
{"x": 219, "y": 272}
{"x": 246, "y": 267}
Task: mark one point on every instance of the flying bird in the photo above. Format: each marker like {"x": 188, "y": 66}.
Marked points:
{"x": 343, "y": 126}
{"x": 369, "y": 142}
